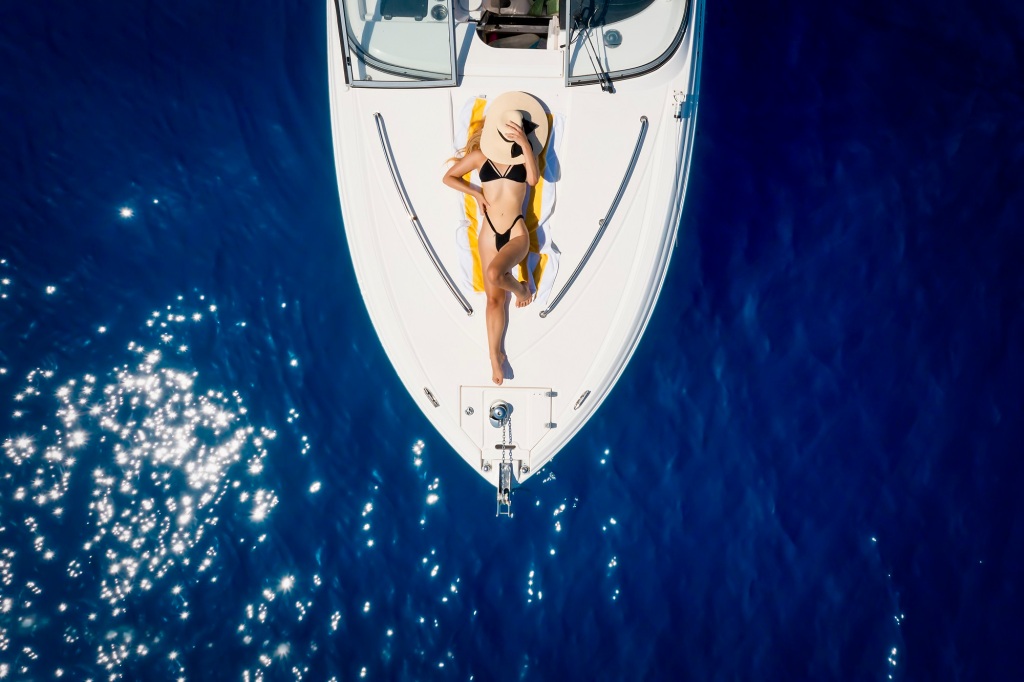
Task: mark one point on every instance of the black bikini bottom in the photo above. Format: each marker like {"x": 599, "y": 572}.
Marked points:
{"x": 501, "y": 238}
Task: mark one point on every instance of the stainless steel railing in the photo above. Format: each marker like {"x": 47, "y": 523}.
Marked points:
{"x": 602, "y": 224}
{"x": 392, "y": 166}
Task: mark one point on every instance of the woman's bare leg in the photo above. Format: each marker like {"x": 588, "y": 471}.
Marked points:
{"x": 494, "y": 313}
{"x": 496, "y": 272}
{"x": 495, "y": 318}
{"x": 497, "y": 281}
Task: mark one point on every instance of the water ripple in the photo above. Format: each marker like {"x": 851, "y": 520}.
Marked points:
{"x": 114, "y": 489}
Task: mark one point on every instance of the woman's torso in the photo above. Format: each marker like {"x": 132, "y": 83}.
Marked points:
{"x": 504, "y": 197}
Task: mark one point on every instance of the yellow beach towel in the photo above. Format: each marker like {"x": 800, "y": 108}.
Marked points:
{"x": 540, "y": 266}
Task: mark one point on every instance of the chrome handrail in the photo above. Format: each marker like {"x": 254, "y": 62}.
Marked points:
{"x": 385, "y": 145}
{"x": 603, "y": 223}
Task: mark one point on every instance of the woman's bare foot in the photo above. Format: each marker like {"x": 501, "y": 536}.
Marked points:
{"x": 498, "y": 368}
{"x": 524, "y": 296}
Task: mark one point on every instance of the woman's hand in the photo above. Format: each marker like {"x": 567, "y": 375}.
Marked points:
{"x": 515, "y": 133}
{"x": 481, "y": 202}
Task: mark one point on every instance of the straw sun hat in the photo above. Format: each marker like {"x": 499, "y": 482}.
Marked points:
{"x": 523, "y": 110}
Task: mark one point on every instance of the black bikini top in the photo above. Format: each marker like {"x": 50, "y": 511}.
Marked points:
{"x": 515, "y": 172}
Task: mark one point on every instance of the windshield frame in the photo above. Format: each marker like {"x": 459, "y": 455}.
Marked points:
{"x": 418, "y": 78}
{"x": 581, "y": 33}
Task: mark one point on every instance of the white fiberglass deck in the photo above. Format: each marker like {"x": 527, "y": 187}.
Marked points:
{"x": 564, "y": 364}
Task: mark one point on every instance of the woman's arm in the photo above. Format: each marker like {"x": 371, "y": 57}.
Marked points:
{"x": 516, "y": 134}
{"x": 453, "y": 178}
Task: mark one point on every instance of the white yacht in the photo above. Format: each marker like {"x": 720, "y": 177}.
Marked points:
{"x": 619, "y": 80}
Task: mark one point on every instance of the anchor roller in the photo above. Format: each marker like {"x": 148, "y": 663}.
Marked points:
{"x": 499, "y": 413}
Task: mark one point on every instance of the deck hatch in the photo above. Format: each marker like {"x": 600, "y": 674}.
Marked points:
{"x": 531, "y": 415}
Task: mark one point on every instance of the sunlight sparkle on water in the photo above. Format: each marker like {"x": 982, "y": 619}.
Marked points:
{"x": 126, "y": 212}
{"x": 136, "y": 506}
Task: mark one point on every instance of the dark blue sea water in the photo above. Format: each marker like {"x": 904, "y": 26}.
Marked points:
{"x": 809, "y": 471}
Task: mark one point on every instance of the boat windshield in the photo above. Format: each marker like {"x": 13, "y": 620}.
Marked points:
{"x": 621, "y": 38}
{"x": 398, "y": 43}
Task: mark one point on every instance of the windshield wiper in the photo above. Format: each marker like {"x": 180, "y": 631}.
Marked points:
{"x": 595, "y": 59}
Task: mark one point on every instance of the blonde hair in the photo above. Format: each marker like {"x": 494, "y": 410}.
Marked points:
{"x": 476, "y": 131}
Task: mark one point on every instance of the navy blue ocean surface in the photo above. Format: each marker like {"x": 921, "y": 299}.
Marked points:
{"x": 809, "y": 471}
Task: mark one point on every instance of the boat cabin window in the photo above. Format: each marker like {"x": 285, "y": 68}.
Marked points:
{"x": 398, "y": 43}
{"x": 621, "y": 38}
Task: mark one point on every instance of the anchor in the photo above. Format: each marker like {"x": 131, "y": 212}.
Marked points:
{"x": 500, "y": 416}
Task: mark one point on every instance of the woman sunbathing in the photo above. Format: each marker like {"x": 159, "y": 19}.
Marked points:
{"x": 504, "y": 154}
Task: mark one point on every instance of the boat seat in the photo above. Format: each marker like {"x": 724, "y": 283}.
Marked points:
{"x": 519, "y": 8}
{"x": 519, "y": 41}
{"x": 518, "y": 31}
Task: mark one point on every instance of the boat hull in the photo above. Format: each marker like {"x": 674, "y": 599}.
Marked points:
{"x": 391, "y": 147}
